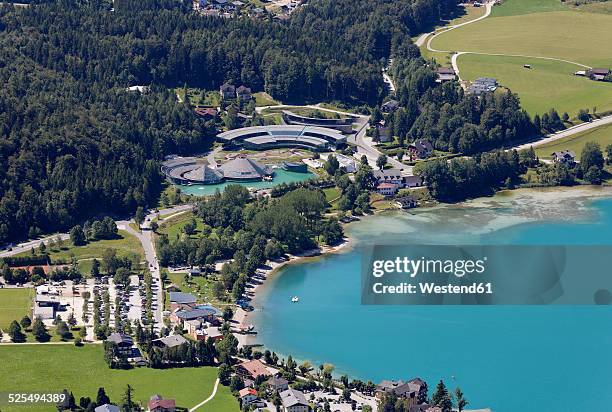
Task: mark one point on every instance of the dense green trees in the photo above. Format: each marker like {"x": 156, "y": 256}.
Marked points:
{"x": 470, "y": 177}
{"x": 75, "y": 143}
{"x": 450, "y": 119}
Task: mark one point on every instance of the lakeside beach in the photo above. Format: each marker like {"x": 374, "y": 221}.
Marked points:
{"x": 323, "y": 306}
{"x": 241, "y": 317}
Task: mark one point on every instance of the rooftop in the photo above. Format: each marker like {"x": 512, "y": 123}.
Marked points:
{"x": 292, "y": 397}
{"x": 120, "y": 339}
{"x": 171, "y": 341}
{"x": 244, "y": 168}
{"x": 180, "y": 297}
{"x": 195, "y": 314}
{"x": 282, "y": 130}
{"x": 255, "y": 368}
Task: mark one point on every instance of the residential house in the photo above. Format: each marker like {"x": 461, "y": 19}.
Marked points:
{"x": 169, "y": 341}
{"x": 446, "y": 74}
{"x": 566, "y": 157}
{"x": 182, "y": 301}
{"x": 278, "y": 384}
{"x": 415, "y": 390}
{"x": 389, "y": 106}
{"x": 413, "y": 181}
{"x": 482, "y": 85}
{"x": 252, "y": 369}
{"x": 207, "y": 113}
{"x": 123, "y": 343}
{"x": 199, "y": 330}
{"x": 598, "y": 74}
{"x": 246, "y": 396}
{"x": 385, "y": 134}
{"x": 347, "y": 163}
{"x": 387, "y": 189}
{"x": 228, "y": 91}
{"x": 389, "y": 176}
{"x": 294, "y": 401}
{"x": 406, "y": 202}
{"x": 107, "y": 407}
{"x": 420, "y": 149}
{"x": 159, "y": 404}
{"x": 243, "y": 94}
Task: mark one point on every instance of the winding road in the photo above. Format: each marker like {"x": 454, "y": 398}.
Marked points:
{"x": 426, "y": 39}
{"x": 429, "y": 37}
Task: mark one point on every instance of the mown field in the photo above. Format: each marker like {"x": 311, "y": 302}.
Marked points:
{"x": 520, "y": 7}
{"x": 537, "y": 28}
{"x": 83, "y": 371}
{"x": 14, "y": 304}
{"x": 601, "y": 135}
{"x": 125, "y": 244}
{"x": 584, "y": 38}
{"x": 546, "y": 85}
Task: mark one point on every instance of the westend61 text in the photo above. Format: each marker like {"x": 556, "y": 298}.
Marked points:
{"x": 433, "y": 289}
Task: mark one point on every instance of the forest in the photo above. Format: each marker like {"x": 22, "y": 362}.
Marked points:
{"x": 75, "y": 144}
{"x": 452, "y": 120}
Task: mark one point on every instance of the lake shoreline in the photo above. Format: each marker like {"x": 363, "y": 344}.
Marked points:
{"x": 541, "y": 196}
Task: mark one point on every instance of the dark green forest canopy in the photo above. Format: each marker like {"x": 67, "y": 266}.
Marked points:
{"x": 74, "y": 143}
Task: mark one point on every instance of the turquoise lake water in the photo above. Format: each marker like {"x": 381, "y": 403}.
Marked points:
{"x": 508, "y": 358}
{"x": 280, "y": 176}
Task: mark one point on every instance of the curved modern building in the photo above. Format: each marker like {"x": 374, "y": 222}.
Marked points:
{"x": 344, "y": 125}
{"x": 242, "y": 168}
{"x": 188, "y": 170}
{"x": 277, "y": 136}
{"x": 204, "y": 174}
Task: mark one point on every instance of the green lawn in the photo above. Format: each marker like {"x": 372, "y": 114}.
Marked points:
{"x": 173, "y": 227}
{"x": 319, "y": 114}
{"x": 471, "y": 13}
{"x": 83, "y": 371}
{"x": 125, "y": 245}
{"x": 547, "y": 84}
{"x": 14, "y": 304}
{"x": 264, "y": 99}
{"x": 602, "y": 135}
{"x": 520, "y": 7}
{"x": 571, "y": 35}
{"x": 200, "y": 287}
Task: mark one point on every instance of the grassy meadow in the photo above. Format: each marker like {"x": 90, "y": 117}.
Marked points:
{"x": 520, "y": 7}
{"x": 584, "y": 38}
{"x": 83, "y": 371}
{"x": 601, "y": 135}
{"x": 125, "y": 244}
{"x": 546, "y": 85}
{"x": 14, "y": 304}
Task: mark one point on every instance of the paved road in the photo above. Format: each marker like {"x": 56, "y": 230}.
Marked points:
{"x": 364, "y": 144}
{"x": 26, "y": 246}
{"x": 566, "y": 133}
{"x": 145, "y": 236}
{"x": 423, "y": 37}
{"x": 387, "y": 79}
{"x": 489, "y": 6}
